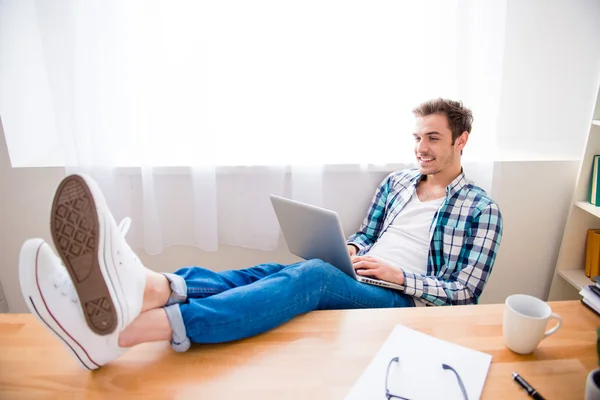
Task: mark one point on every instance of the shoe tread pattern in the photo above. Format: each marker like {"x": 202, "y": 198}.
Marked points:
{"x": 75, "y": 231}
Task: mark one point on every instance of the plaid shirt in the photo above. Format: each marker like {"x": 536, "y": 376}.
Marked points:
{"x": 464, "y": 236}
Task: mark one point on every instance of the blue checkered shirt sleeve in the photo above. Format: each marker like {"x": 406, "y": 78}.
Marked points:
{"x": 464, "y": 282}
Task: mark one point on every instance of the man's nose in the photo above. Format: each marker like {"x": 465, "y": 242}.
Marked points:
{"x": 421, "y": 147}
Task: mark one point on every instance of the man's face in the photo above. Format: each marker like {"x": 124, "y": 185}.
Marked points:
{"x": 433, "y": 144}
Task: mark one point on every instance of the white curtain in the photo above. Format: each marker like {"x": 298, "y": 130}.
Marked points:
{"x": 190, "y": 113}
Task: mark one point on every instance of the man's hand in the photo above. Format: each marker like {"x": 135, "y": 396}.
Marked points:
{"x": 369, "y": 266}
{"x": 351, "y": 250}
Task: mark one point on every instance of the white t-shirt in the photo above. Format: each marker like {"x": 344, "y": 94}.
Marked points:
{"x": 405, "y": 244}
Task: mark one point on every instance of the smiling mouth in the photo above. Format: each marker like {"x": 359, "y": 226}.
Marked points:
{"x": 426, "y": 160}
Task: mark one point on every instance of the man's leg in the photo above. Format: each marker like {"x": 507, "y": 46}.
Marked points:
{"x": 190, "y": 282}
{"x": 186, "y": 283}
{"x": 258, "y": 307}
{"x": 201, "y": 282}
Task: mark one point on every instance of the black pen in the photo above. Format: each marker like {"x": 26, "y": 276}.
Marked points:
{"x": 528, "y": 388}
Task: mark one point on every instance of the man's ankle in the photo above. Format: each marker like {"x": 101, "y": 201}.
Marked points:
{"x": 126, "y": 339}
{"x": 149, "y": 326}
{"x": 157, "y": 291}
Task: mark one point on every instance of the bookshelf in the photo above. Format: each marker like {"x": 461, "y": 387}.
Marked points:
{"x": 569, "y": 276}
{"x": 575, "y": 277}
{"x": 592, "y": 209}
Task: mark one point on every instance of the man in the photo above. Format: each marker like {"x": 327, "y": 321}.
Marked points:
{"x": 429, "y": 230}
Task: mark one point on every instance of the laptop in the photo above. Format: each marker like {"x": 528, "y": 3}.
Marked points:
{"x": 314, "y": 232}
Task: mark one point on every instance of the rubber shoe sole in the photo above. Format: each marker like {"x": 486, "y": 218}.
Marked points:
{"x": 30, "y": 287}
{"x": 74, "y": 227}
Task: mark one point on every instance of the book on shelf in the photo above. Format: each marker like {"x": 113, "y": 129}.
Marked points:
{"x": 595, "y": 185}
{"x": 592, "y": 253}
{"x": 591, "y": 297}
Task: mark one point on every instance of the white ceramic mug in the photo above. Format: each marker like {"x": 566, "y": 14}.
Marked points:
{"x": 525, "y": 320}
{"x": 592, "y": 385}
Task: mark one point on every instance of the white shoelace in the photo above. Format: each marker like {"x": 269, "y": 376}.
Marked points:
{"x": 62, "y": 280}
{"x": 63, "y": 283}
{"x": 124, "y": 225}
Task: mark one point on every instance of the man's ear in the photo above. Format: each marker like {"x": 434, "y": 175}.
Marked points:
{"x": 461, "y": 141}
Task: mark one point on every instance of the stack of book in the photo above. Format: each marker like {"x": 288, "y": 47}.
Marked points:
{"x": 591, "y": 295}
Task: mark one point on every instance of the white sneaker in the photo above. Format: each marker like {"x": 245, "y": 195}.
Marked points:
{"x": 51, "y": 297}
{"x": 107, "y": 275}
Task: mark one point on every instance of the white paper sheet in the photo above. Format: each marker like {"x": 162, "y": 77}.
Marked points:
{"x": 419, "y": 374}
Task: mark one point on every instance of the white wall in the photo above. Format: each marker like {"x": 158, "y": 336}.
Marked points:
{"x": 534, "y": 198}
{"x": 551, "y": 73}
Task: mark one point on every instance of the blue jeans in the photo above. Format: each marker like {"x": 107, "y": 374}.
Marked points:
{"x": 214, "y": 307}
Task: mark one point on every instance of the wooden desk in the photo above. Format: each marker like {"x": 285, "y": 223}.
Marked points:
{"x": 316, "y": 356}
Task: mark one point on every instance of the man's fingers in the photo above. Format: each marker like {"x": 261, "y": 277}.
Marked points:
{"x": 362, "y": 258}
{"x": 363, "y": 265}
{"x": 368, "y": 272}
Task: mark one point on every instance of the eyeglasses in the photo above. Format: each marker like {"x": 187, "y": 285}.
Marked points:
{"x": 389, "y": 395}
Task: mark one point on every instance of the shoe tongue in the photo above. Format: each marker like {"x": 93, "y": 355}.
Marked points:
{"x": 124, "y": 225}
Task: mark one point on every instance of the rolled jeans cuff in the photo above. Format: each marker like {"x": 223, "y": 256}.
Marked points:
{"x": 178, "y": 289}
{"x": 179, "y": 341}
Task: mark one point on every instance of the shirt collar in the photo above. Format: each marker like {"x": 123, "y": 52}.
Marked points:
{"x": 454, "y": 187}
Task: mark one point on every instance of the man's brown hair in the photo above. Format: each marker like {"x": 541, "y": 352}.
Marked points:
{"x": 459, "y": 117}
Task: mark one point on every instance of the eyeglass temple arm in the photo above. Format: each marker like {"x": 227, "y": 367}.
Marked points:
{"x": 460, "y": 382}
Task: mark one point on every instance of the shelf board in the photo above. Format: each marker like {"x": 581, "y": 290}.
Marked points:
{"x": 596, "y": 122}
{"x": 592, "y": 209}
{"x": 576, "y": 277}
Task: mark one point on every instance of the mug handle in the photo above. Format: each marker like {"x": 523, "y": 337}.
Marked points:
{"x": 555, "y": 327}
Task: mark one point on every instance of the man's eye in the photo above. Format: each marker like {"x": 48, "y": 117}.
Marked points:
{"x": 434, "y": 139}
